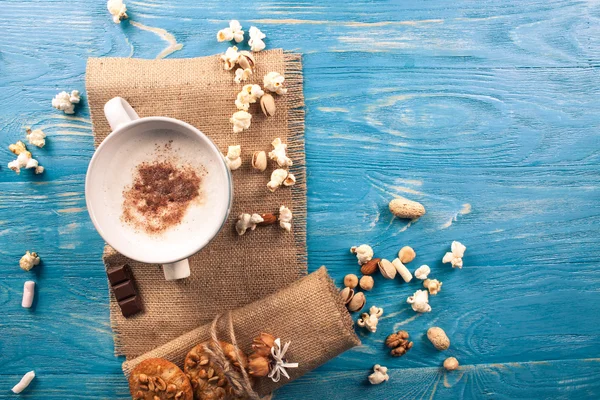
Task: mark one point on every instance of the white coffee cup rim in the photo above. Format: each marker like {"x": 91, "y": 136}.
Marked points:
{"x": 116, "y": 244}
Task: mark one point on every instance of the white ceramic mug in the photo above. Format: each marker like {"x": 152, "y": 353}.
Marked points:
{"x": 134, "y": 140}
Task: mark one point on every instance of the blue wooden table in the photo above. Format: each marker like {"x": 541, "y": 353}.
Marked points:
{"x": 486, "y": 111}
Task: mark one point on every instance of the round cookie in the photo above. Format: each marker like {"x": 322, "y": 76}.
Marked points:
{"x": 158, "y": 379}
{"x": 207, "y": 379}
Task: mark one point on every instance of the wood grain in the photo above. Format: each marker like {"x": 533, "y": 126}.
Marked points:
{"x": 486, "y": 112}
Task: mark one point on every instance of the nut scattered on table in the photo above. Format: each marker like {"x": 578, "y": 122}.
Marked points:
{"x": 387, "y": 269}
{"x": 406, "y": 254}
{"x": 403, "y": 208}
{"x": 347, "y": 294}
{"x": 357, "y": 302}
{"x": 366, "y": 282}
{"x": 267, "y": 105}
{"x": 351, "y": 281}
{"x": 370, "y": 267}
{"x": 259, "y": 161}
{"x": 438, "y": 338}
{"x": 450, "y": 364}
{"x": 399, "y": 343}
{"x": 433, "y": 286}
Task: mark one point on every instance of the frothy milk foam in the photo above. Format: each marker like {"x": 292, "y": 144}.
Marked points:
{"x": 202, "y": 218}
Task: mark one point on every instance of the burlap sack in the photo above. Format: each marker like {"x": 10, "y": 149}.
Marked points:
{"x": 309, "y": 313}
{"x": 232, "y": 271}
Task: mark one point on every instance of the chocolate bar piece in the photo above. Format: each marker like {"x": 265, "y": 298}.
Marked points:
{"x": 130, "y": 306}
{"x": 119, "y": 274}
{"x": 124, "y": 289}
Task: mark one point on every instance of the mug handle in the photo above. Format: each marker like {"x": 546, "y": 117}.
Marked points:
{"x": 177, "y": 270}
{"x": 119, "y": 112}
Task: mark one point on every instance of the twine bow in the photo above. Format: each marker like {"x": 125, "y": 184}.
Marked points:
{"x": 278, "y": 354}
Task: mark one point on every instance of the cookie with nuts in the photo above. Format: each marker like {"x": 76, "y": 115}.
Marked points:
{"x": 207, "y": 378}
{"x": 158, "y": 379}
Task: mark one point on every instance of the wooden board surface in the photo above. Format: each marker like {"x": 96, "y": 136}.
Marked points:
{"x": 487, "y": 112}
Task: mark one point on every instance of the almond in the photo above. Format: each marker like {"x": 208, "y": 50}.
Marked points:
{"x": 268, "y": 219}
{"x": 370, "y": 267}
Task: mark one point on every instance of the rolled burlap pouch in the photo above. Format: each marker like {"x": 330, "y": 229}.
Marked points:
{"x": 309, "y": 314}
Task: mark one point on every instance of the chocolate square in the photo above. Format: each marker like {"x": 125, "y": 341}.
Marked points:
{"x": 130, "y": 306}
{"x": 118, "y": 274}
{"x": 124, "y": 290}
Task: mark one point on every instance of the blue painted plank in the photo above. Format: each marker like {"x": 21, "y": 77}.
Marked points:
{"x": 533, "y": 380}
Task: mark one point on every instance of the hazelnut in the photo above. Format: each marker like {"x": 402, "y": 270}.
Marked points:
{"x": 259, "y": 161}
{"x": 351, "y": 281}
{"x": 406, "y": 254}
{"x": 366, "y": 282}
{"x": 357, "y": 302}
{"x": 450, "y": 363}
{"x": 438, "y": 338}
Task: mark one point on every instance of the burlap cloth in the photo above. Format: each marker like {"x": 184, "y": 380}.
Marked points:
{"x": 309, "y": 313}
{"x": 232, "y": 271}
